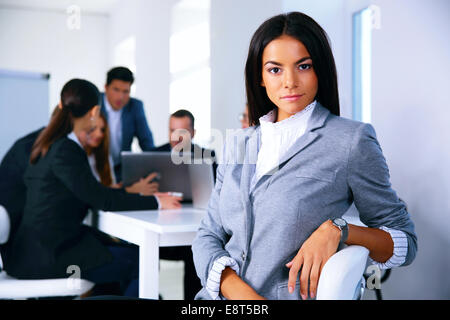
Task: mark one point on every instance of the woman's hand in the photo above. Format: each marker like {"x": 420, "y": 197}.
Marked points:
{"x": 144, "y": 187}
{"x": 117, "y": 185}
{"x": 311, "y": 258}
{"x": 168, "y": 201}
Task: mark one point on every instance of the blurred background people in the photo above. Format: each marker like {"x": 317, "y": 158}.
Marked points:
{"x": 100, "y": 160}
{"x": 243, "y": 118}
{"x": 12, "y": 186}
{"x": 60, "y": 188}
{"x": 181, "y": 133}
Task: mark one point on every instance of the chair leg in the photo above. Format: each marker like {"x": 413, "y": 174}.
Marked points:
{"x": 378, "y": 294}
{"x": 385, "y": 276}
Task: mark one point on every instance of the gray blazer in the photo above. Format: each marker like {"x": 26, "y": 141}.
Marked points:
{"x": 263, "y": 225}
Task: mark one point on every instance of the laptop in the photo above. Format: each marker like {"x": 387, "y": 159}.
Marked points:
{"x": 195, "y": 181}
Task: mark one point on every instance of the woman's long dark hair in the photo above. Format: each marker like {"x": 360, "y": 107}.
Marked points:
{"x": 101, "y": 154}
{"x": 78, "y": 97}
{"x": 314, "y": 38}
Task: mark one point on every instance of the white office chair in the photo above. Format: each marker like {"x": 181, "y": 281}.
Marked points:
{"x": 342, "y": 275}
{"x": 12, "y": 288}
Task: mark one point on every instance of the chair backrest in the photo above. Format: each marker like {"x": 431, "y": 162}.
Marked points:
{"x": 341, "y": 275}
{"x": 5, "y": 225}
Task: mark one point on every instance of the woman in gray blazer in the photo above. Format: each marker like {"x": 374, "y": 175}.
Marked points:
{"x": 274, "y": 218}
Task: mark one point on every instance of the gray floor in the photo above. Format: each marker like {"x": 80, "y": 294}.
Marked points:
{"x": 171, "y": 279}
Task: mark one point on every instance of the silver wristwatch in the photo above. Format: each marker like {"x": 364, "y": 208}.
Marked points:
{"x": 343, "y": 226}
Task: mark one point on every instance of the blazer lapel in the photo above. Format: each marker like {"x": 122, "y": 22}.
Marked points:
{"x": 102, "y": 105}
{"x": 251, "y": 146}
{"x": 127, "y": 125}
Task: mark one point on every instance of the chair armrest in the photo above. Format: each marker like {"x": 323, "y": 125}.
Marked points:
{"x": 342, "y": 273}
{"x": 4, "y": 225}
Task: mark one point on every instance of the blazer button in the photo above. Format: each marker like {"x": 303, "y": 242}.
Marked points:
{"x": 243, "y": 256}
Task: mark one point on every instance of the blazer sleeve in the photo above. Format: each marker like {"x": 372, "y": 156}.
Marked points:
{"x": 368, "y": 178}
{"x": 71, "y": 167}
{"x": 143, "y": 132}
{"x": 211, "y": 237}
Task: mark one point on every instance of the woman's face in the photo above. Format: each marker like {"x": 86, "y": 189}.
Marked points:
{"x": 97, "y": 134}
{"x": 288, "y": 75}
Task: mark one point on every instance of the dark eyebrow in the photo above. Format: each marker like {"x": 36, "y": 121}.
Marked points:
{"x": 279, "y": 64}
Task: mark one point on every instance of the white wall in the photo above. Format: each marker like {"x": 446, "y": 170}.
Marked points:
{"x": 39, "y": 40}
{"x": 411, "y": 114}
{"x": 233, "y": 23}
{"x": 149, "y": 22}
{"x": 330, "y": 14}
{"x": 411, "y": 102}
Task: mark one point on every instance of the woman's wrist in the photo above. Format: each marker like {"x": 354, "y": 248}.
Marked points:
{"x": 331, "y": 230}
{"x": 233, "y": 287}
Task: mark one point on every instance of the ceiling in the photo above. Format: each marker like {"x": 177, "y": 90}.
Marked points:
{"x": 91, "y": 6}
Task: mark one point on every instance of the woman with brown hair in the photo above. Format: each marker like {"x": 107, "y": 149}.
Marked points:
{"x": 60, "y": 189}
{"x": 100, "y": 160}
{"x": 97, "y": 150}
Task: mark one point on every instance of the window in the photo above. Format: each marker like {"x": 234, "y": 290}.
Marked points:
{"x": 190, "y": 71}
{"x": 363, "y": 23}
{"x": 125, "y": 56}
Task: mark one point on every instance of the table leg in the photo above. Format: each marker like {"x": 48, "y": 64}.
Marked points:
{"x": 149, "y": 266}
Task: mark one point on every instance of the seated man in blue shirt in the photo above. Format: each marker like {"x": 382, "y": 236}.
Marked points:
{"x": 126, "y": 116}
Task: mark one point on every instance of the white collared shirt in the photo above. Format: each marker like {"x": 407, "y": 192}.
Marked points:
{"x": 115, "y": 130}
{"x": 278, "y": 137}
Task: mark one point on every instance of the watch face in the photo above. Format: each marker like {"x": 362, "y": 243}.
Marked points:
{"x": 340, "y": 222}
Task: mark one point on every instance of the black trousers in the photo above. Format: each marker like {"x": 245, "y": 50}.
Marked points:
{"x": 124, "y": 270}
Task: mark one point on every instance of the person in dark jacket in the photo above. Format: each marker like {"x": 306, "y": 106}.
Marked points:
{"x": 51, "y": 238}
{"x": 12, "y": 186}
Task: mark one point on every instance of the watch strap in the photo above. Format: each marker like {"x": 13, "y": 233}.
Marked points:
{"x": 344, "y": 233}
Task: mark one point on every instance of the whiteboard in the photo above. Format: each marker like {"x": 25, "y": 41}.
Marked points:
{"x": 24, "y": 105}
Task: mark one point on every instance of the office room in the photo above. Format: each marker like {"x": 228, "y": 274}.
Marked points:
{"x": 114, "y": 87}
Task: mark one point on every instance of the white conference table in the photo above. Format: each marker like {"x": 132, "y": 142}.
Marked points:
{"x": 151, "y": 229}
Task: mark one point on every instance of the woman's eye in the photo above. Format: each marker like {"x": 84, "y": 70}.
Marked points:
{"x": 305, "y": 66}
{"x": 274, "y": 70}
